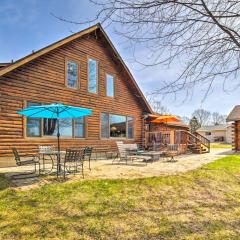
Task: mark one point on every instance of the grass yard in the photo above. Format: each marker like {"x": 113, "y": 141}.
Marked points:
{"x": 202, "y": 204}
{"x": 220, "y": 145}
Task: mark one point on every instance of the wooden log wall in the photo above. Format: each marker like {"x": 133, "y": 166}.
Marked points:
{"x": 43, "y": 80}
{"x": 236, "y": 136}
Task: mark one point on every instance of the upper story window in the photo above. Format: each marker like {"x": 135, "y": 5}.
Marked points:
{"x": 92, "y": 76}
{"x": 109, "y": 85}
{"x": 72, "y": 74}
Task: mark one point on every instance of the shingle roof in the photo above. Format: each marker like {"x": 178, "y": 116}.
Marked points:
{"x": 213, "y": 128}
{"x": 234, "y": 114}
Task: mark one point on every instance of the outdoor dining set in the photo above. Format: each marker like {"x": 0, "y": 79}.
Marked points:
{"x": 46, "y": 161}
{"x": 131, "y": 152}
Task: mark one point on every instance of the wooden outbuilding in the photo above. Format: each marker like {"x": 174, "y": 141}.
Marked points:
{"x": 234, "y": 117}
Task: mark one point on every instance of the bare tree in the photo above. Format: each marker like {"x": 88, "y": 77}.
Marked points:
{"x": 203, "y": 34}
{"x": 185, "y": 120}
{"x": 203, "y": 116}
{"x": 157, "y": 105}
{"x": 218, "y": 118}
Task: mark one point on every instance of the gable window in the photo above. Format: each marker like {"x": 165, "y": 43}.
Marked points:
{"x": 72, "y": 74}
{"x": 109, "y": 85}
{"x": 33, "y": 124}
{"x": 116, "y": 126}
{"x": 92, "y": 76}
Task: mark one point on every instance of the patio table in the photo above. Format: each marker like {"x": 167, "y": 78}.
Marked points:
{"x": 155, "y": 155}
{"x": 51, "y": 154}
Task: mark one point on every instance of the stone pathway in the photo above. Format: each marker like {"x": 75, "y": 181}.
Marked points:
{"x": 104, "y": 169}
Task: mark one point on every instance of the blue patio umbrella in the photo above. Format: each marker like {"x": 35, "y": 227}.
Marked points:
{"x": 55, "y": 111}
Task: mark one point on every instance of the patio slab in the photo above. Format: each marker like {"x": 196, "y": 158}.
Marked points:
{"x": 104, "y": 169}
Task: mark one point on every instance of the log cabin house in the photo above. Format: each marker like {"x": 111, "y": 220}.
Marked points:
{"x": 82, "y": 70}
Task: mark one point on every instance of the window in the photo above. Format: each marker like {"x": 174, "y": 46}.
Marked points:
{"x": 33, "y": 124}
{"x": 68, "y": 127}
{"x": 116, "y": 126}
{"x": 109, "y": 85}
{"x": 130, "y": 124}
{"x": 65, "y": 128}
{"x": 207, "y": 133}
{"x": 92, "y": 76}
{"x": 104, "y": 125}
{"x": 79, "y": 127}
{"x": 72, "y": 74}
{"x": 50, "y": 127}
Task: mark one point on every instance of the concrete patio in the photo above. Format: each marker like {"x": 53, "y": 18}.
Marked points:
{"x": 105, "y": 169}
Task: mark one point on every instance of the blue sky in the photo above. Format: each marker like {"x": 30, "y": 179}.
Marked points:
{"x": 27, "y": 25}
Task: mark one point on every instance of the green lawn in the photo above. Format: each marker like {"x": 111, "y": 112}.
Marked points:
{"x": 202, "y": 204}
{"x": 220, "y": 145}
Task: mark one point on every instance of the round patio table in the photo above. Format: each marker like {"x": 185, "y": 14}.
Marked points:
{"x": 53, "y": 157}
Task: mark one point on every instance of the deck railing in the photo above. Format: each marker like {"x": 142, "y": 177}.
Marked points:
{"x": 181, "y": 137}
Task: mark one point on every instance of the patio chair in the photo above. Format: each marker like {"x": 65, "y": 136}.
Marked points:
{"x": 20, "y": 161}
{"x": 73, "y": 161}
{"x": 172, "y": 151}
{"x": 124, "y": 154}
{"x": 87, "y": 154}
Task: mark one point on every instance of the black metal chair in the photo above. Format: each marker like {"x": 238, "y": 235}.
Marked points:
{"x": 73, "y": 161}
{"x": 87, "y": 154}
{"x": 20, "y": 162}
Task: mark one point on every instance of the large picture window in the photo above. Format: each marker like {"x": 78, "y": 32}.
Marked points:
{"x": 68, "y": 127}
{"x": 116, "y": 126}
{"x": 72, "y": 74}
{"x": 109, "y": 85}
{"x": 92, "y": 76}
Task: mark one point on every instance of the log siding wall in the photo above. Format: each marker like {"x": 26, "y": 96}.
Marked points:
{"x": 44, "y": 80}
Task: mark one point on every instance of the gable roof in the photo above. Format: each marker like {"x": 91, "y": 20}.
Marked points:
{"x": 234, "y": 115}
{"x": 219, "y": 127}
{"x": 10, "y": 67}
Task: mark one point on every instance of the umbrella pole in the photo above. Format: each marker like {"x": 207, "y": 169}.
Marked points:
{"x": 58, "y": 143}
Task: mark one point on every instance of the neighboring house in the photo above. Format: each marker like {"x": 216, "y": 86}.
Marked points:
{"x": 82, "y": 70}
{"x": 234, "y": 116}
{"x": 217, "y": 133}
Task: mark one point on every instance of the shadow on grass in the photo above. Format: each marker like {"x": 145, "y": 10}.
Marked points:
{"x": 4, "y": 182}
